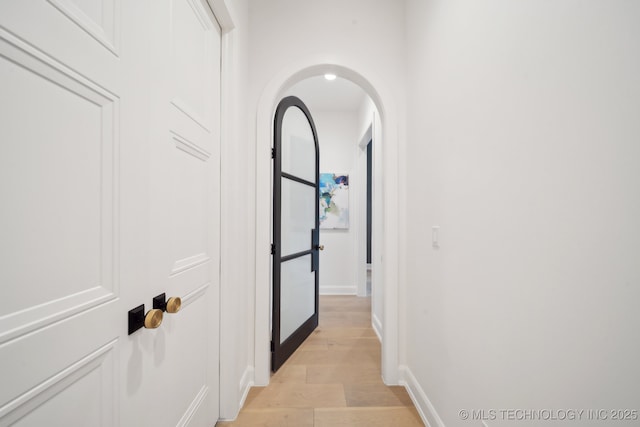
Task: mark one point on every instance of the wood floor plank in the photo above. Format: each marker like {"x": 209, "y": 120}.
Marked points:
{"x": 341, "y": 319}
{"x": 314, "y": 343}
{"x": 290, "y": 374}
{"x": 270, "y": 417}
{"x": 344, "y": 374}
{"x": 281, "y": 395}
{"x": 340, "y": 343}
{"x": 359, "y": 394}
{"x": 335, "y": 357}
{"x": 344, "y": 332}
{"x": 367, "y": 417}
{"x": 339, "y": 303}
{"x": 333, "y": 379}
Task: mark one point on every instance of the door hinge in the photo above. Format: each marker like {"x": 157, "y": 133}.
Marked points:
{"x": 273, "y": 153}
{"x": 273, "y": 249}
{"x": 273, "y": 347}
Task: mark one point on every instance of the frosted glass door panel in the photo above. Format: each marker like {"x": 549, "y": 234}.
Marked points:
{"x": 297, "y": 295}
{"x": 296, "y": 225}
{"x": 298, "y": 146}
{"x": 298, "y": 216}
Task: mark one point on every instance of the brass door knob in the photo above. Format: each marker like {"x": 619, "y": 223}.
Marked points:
{"x": 174, "y": 304}
{"x": 321, "y": 247}
{"x": 153, "y": 318}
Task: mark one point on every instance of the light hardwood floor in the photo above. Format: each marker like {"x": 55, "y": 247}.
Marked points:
{"x": 333, "y": 379}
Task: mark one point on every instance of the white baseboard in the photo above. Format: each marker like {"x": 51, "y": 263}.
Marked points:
{"x": 338, "y": 290}
{"x": 245, "y": 384}
{"x": 376, "y": 324}
{"x": 425, "y": 408}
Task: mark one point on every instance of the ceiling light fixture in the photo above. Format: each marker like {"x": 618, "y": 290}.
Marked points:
{"x": 330, "y": 76}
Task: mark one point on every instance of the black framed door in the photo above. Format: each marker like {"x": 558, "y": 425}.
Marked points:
{"x": 295, "y": 229}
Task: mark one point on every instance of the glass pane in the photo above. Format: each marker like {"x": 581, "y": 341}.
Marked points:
{"x": 298, "y": 216}
{"x": 297, "y": 295}
{"x": 298, "y": 147}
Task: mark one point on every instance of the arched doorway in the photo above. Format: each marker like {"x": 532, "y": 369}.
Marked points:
{"x": 388, "y": 231}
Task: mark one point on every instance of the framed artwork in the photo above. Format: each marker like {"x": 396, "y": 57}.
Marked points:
{"x": 334, "y": 201}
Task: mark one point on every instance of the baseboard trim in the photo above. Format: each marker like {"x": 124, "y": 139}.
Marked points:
{"x": 246, "y": 382}
{"x": 376, "y": 324}
{"x": 425, "y": 408}
{"x": 338, "y": 290}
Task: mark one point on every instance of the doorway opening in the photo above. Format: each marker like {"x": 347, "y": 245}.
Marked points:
{"x": 344, "y": 117}
{"x": 385, "y": 210}
{"x": 343, "y": 114}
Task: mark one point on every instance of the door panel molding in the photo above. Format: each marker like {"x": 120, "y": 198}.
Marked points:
{"x": 193, "y": 407}
{"x": 190, "y": 147}
{"x": 107, "y": 32}
{"x": 101, "y": 360}
{"x": 183, "y": 108}
{"x": 85, "y": 94}
{"x": 183, "y": 94}
{"x": 189, "y": 263}
{"x": 30, "y": 320}
{"x": 195, "y": 295}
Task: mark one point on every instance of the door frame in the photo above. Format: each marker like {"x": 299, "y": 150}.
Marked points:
{"x": 389, "y": 238}
{"x": 232, "y": 119}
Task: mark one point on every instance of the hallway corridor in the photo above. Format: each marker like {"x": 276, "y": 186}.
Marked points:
{"x": 333, "y": 379}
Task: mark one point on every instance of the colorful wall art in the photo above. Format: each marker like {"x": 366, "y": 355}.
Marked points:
{"x": 334, "y": 201}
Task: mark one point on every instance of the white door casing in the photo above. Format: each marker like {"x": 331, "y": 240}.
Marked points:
{"x": 110, "y": 193}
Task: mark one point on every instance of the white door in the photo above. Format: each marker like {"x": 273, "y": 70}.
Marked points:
{"x": 178, "y": 362}
{"x": 108, "y": 197}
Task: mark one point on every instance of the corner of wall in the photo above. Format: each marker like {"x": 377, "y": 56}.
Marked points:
{"x": 425, "y": 408}
{"x": 376, "y": 323}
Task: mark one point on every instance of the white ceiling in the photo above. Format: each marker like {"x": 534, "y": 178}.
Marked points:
{"x": 319, "y": 94}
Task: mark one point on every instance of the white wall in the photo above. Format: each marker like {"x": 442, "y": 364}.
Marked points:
{"x": 285, "y": 30}
{"x": 236, "y": 311}
{"x": 523, "y": 146}
{"x": 337, "y": 135}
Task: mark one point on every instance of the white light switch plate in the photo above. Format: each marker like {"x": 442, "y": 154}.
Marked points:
{"x": 435, "y": 231}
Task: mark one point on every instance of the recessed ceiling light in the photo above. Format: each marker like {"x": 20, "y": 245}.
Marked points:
{"x": 330, "y": 76}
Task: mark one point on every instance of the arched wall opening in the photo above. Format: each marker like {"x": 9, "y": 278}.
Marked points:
{"x": 387, "y": 229}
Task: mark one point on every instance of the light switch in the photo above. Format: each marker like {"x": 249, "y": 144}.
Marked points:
{"x": 435, "y": 231}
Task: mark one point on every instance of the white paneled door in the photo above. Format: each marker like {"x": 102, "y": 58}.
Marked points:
{"x": 109, "y": 196}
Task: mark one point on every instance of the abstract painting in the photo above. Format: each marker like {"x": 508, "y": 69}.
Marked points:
{"x": 334, "y": 201}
